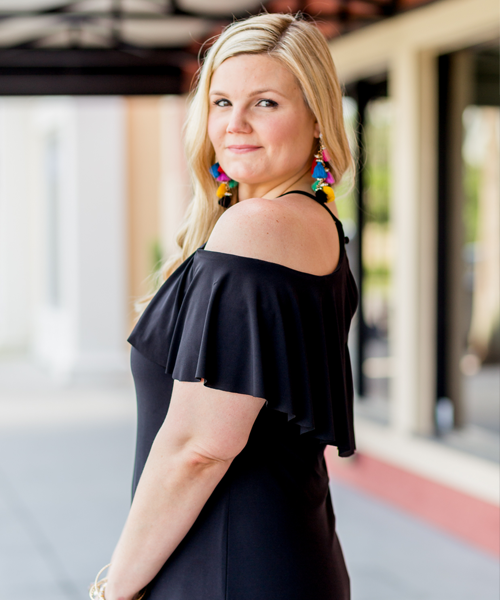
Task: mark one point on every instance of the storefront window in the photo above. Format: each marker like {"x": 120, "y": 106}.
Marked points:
{"x": 480, "y": 363}
{"x": 468, "y": 406}
{"x": 377, "y": 249}
{"x": 366, "y": 219}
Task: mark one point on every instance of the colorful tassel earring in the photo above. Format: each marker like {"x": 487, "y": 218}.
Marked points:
{"x": 226, "y": 185}
{"x": 321, "y": 172}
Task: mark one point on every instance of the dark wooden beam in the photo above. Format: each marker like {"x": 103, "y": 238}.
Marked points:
{"x": 95, "y": 72}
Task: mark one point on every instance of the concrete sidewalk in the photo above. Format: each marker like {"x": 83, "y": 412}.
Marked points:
{"x": 65, "y": 471}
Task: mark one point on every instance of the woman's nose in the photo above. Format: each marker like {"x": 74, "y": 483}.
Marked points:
{"x": 238, "y": 122}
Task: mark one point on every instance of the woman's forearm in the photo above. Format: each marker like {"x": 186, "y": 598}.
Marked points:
{"x": 174, "y": 487}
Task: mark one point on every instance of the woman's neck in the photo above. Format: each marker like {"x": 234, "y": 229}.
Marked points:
{"x": 301, "y": 181}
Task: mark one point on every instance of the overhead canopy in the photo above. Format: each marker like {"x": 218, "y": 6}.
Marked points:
{"x": 139, "y": 46}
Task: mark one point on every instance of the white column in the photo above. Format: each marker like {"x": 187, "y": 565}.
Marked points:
{"x": 102, "y": 255}
{"x": 404, "y": 91}
{"x": 81, "y": 322}
{"x": 413, "y": 89}
{"x": 15, "y": 239}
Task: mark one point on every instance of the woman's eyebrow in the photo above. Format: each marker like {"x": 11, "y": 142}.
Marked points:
{"x": 254, "y": 93}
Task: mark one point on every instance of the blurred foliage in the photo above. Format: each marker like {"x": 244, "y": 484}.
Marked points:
{"x": 156, "y": 256}
{"x": 376, "y": 173}
{"x": 156, "y": 262}
{"x": 376, "y": 177}
{"x": 345, "y": 190}
{"x": 377, "y": 278}
{"x": 377, "y": 233}
{"x": 472, "y": 179}
{"x": 377, "y": 193}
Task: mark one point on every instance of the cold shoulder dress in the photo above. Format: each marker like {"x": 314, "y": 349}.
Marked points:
{"x": 254, "y": 327}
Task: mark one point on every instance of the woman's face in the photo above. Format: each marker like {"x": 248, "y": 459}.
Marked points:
{"x": 260, "y": 127}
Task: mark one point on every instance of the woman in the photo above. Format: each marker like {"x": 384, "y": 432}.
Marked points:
{"x": 240, "y": 360}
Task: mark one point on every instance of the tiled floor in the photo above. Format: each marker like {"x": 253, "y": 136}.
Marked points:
{"x": 65, "y": 469}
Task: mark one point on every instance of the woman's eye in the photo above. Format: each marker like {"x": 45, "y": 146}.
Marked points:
{"x": 273, "y": 103}
{"x": 222, "y": 102}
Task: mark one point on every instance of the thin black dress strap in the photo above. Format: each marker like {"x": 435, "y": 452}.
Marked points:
{"x": 337, "y": 220}
{"x": 299, "y": 192}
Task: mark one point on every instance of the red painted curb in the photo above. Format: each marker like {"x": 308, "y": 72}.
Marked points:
{"x": 473, "y": 520}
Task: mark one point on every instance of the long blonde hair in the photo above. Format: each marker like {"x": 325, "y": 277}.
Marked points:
{"x": 301, "y": 47}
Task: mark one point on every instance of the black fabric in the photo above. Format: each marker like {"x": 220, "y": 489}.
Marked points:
{"x": 255, "y": 327}
{"x": 259, "y": 328}
{"x": 268, "y": 530}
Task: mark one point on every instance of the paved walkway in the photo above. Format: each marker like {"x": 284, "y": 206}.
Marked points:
{"x": 65, "y": 470}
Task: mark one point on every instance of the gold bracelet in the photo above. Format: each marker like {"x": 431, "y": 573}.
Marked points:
{"x": 96, "y": 591}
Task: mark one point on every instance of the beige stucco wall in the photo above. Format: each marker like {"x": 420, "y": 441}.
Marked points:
{"x": 143, "y": 197}
{"x": 157, "y": 183}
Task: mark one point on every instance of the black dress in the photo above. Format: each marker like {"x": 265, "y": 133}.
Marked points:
{"x": 254, "y": 327}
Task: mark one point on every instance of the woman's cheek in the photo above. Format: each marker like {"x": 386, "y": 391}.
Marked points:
{"x": 215, "y": 131}
{"x": 282, "y": 130}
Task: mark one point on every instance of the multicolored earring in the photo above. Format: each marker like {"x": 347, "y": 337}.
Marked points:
{"x": 321, "y": 172}
{"x": 226, "y": 185}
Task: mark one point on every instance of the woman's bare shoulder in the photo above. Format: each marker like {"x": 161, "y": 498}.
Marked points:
{"x": 257, "y": 228}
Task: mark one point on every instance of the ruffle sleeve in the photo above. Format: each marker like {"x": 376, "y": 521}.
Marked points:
{"x": 251, "y": 327}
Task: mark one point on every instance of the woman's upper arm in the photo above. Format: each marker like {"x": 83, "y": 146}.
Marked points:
{"x": 216, "y": 424}
{"x": 213, "y": 424}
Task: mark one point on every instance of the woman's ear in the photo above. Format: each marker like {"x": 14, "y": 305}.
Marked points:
{"x": 316, "y": 129}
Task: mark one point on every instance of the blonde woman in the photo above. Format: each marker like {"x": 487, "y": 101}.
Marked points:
{"x": 240, "y": 360}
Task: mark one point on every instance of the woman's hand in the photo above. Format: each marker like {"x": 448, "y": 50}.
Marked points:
{"x": 203, "y": 432}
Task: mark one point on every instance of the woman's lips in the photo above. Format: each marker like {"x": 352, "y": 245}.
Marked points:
{"x": 242, "y": 149}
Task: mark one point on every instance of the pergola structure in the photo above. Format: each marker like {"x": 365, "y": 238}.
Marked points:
{"x": 130, "y": 47}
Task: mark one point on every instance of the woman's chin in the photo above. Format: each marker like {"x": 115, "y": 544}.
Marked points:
{"x": 248, "y": 178}
{"x": 250, "y": 174}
